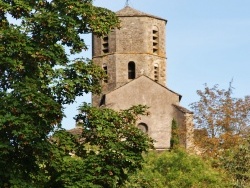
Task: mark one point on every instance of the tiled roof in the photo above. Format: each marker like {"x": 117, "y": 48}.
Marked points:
{"x": 149, "y": 79}
{"x": 130, "y": 12}
{"x": 182, "y": 109}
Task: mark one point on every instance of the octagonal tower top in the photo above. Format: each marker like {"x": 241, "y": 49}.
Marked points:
{"x": 127, "y": 11}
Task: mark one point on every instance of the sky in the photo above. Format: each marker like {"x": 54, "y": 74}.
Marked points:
{"x": 207, "y": 42}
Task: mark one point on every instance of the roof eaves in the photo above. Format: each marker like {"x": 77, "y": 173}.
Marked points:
{"x": 151, "y": 80}
{"x": 182, "y": 109}
{"x": 130, "y": 12}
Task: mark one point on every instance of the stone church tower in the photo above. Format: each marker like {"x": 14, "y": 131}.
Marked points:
{"x": 134, "y": 58}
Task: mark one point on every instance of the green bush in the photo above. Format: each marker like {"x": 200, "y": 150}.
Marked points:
{"x": 237, "y": 163}
{"x": 177, "y": 169}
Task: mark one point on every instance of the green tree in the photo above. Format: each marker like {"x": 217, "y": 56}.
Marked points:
{"x": 222, "y": 119}
{"x": 237, "y": 163}
{"x": 38, "y": 76}
{"x": 177, "y": 169}
{"x": 107, "y": 149}
{"x": 174, "y": 141}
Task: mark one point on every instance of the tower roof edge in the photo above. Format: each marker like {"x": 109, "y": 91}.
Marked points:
{"x": 127, "y": 11}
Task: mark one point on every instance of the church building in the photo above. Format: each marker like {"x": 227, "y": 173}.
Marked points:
{"x": 134, "y": 58}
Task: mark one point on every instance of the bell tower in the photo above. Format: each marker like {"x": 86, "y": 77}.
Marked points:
{"x": 137, "y": 48}
{"x": 134, "y": 58}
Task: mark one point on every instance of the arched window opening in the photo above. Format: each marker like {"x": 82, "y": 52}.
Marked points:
{"x": 105, "y": 44}
{"x": 156, "y": 72}
{"x": 155, "y": 33}
{"x": 143, "y": 127}
{"x": 131, "y": 70}
{"x": 105, "y": 68}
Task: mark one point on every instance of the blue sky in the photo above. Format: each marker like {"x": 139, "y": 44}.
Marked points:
{"x": 207, "y": 42}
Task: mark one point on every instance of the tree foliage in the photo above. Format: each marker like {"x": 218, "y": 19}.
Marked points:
{"x": 223, "y": 119}
{"x": 38, "y": 76}
{"x": 106, "y": 150}
{"x": 237, "y": 163}
{"x": 174, "y": 141}
{"x": 177, "y": 169}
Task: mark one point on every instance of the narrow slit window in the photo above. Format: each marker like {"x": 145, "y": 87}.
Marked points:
{"x": 105, "y": 68}
{"x": 105, "y": 44}
{"x": 131, "y": 70}
{"x": 156, "y": 72}
{"x": 103, "y": 99}
{"x": 155, "y": 33}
